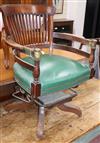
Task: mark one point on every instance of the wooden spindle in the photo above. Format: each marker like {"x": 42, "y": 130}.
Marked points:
{"x": 36, "y": 86}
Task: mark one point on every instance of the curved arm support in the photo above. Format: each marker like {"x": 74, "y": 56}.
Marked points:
{"x": 71, "y": 37}
{"x": 15, "y": 45}
{"x": 22, "y": 62}
{"x": 91, "y": 43}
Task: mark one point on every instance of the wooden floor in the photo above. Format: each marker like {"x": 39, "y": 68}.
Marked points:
{"x": 60, "y": 127}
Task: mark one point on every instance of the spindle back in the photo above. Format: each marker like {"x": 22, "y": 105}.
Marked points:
{"x": 29, "y": 24}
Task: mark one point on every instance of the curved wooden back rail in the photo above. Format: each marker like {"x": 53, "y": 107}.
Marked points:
{"x": 91, "y": 43}
{"x": 71, "y": 49}
{"x": 27, "y": 24}
{"x": 71, "y": 37}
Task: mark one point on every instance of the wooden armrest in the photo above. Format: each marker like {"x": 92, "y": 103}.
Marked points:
{"x": 15, "y": 45}
{"x": 72, "y": 37}
{"x": 35, "y": 70}
{"x": 36, "y": 54}
{"x": 70, "y": 49}
{"x": 91, "y": 43}
{"x": 19, "y": 47}
{"x": 22, "y": 62}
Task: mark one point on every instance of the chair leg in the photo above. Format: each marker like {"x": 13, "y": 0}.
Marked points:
{"x": 40, "y": 127}
{"x": 70, "y": 108}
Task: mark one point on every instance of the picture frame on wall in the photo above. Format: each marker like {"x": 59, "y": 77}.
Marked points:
{"x": 59, "y": 6}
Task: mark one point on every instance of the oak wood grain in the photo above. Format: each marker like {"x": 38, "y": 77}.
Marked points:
{"x": 63, "y": 127}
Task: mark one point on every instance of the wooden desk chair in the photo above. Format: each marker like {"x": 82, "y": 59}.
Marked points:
{"x": 43, "y": 77}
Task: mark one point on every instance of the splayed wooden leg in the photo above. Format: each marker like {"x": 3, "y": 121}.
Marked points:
{"x": 70, "y": 108}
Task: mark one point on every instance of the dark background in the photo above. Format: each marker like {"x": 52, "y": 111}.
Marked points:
{"x": 92, "y": 19}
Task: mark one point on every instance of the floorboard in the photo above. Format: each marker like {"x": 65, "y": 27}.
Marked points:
{"x": 60, "y": 127}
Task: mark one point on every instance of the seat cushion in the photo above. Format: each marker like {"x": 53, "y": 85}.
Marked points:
{"x": 56, "y": 73}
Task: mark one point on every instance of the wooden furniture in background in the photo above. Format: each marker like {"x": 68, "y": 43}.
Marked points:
{"x": 63, "y": 26}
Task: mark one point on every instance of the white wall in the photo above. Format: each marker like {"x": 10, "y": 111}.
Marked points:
{"x": 74, "y": 10}
{"x": 1, "y": 22}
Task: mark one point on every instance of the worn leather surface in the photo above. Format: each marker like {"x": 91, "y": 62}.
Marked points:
{"x": 56, "y": 73}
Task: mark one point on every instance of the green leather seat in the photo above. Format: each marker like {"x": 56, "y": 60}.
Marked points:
{"x": 56, "y": 73}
